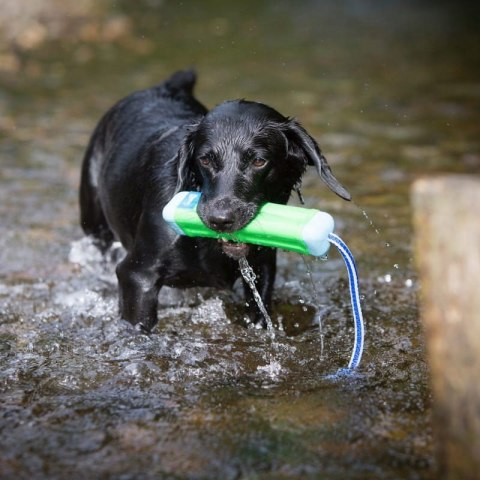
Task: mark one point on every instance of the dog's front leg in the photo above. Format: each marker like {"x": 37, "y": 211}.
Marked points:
{"x": 139, "y": 284}
{"x": 264, "y": 264}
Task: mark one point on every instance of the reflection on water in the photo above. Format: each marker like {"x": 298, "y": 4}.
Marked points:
{"x": 391, "y": 92}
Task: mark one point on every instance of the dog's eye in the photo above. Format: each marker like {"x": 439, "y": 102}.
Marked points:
{"x": 205, "y": 161}
{"x": 259, "y": 162}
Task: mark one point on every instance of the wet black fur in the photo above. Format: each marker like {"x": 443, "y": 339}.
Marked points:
{"x": 159, "y": 141}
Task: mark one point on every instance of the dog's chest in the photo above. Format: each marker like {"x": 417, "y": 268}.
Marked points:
{"x": 199, "y": 264}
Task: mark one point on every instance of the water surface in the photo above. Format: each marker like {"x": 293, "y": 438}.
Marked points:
{"x": 391, "y": 93}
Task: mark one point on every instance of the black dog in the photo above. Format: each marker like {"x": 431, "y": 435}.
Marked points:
{"x": 162, "y": 140}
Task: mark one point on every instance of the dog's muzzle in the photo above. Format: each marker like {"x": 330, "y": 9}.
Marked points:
{"x": 227, "y": 215}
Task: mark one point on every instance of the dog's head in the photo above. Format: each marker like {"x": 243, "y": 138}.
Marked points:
{"x": 243, "y": 154}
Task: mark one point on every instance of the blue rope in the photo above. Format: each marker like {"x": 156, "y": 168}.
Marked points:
{"x": 355, "y": 298}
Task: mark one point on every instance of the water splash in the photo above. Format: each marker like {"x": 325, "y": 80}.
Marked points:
{"x": 318, "y": 314}
{"x": 273, "y": 368}
{"x": 249, "y": 276}
{"x": 85, "y": 254}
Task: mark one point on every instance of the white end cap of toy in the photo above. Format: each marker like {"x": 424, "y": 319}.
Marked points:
{"x": 315, "y": 233}
{"x": 168, "y": 212}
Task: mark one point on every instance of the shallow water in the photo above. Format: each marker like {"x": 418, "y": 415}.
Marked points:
{"x": 392, "y": 93}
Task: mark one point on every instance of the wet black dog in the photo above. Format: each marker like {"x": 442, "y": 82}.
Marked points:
{"x": 162, "y": 140}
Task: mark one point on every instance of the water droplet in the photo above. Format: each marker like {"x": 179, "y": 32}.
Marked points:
{"x": 409, "y": 283}
{"x": 369, "y": 220}
{"x": 395, "y": 265}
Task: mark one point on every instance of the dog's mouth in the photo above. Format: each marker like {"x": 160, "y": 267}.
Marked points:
{"x": 235, "y": 250}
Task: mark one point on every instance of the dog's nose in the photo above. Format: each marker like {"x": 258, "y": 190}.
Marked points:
{"x": 221, "y": 221}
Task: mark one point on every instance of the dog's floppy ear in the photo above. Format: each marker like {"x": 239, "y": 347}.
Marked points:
{"x": 301, "y": 144}
{"x": 185, "y": 174}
